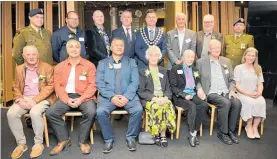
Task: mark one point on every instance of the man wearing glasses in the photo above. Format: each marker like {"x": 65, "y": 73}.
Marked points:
{"x": 69, "y": 31}
{"x": 204, "y": 36}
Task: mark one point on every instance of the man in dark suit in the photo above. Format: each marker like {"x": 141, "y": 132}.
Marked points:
{"x": 204, "y": 36}
{"x": 147, "y": 36}
{"x": 127, "y": 33}
{"x": 179, "y": 40}
{"x": 218, "y": 83}
{"x": 97, "y": 39}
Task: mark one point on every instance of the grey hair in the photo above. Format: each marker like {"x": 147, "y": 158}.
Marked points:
{"x": 187, "y": 51}
{"x": 151, "y": 49}
{"x": 72, "y": 40}
{"x": 29, "y": 46}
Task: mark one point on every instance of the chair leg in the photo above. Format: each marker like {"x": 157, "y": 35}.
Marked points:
{"x": 212, "y": 122}
{"x": 91, "y": 136}
{"x": 201, "y": 129}
{"x": 143, "y": 120}
{"x": 240, "y": 126}
{"x": 46, "y": 136}
{"x": 72, "y": 122}
{"x": 63, "y": 117}
{"x": 146, "y": 122}
{"x": 112, "y": 118}
{"x": 178, "y": 124}
{"x": 262, "y": 128}
{"x": 171, "y": 137}
{"x": 94, "y": 126}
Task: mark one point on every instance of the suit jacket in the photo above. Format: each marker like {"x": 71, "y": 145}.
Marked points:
{"x": 141, "y": 47}
{"x": 106, "y": 74}
{"x": 173, "y": 47}
{"x": 178, "y": 80}
{"x": 129, "y": 48}
{"x": 46, "y": 85}
{"x": 146, "y": 86}
{"x": 96, "y": 46}
{"x": 200, "y": 39}
{"x": 204, "y": 67}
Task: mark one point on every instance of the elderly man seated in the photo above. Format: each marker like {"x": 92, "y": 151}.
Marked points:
{"x": 33, "y": 93}
{"x": 117, "y": 81}
{"x": 74, "y": 81}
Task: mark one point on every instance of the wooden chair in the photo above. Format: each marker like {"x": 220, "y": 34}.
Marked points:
{"x": 76, "y": 113}
{"x": 179, "y": 114}
{"x": 145, "y": 123}
{"x": 240, "y": 126}
{"x": 45, "y": 127}
{"x": 213, "y": 117}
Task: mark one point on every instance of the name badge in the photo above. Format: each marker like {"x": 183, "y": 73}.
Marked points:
{"x": 226, "y": 72}
{"x": 81, "y": 39}
{"x": 161, "y": 75}
{"x": 35, "y": 81}
{"x": 188, "y": 40}
{"x": 180, "y": 72}
{"x": 82, "y": 78}
{"x": 117, "y": 66}
{"x": 242, "y": 46}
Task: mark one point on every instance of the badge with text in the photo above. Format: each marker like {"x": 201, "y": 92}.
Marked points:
{"x": 35, "y": 81}
{"x": 117, "y": 65}
{"x": 242, "y": 46}
{"x": 226, "y": 71}
{"x": 81, "y": 39}
{"x": 161, "y": 75}
{"x": 188, "y": 40}
{"x": 82, "y": 78}
{"x": 180, "y": 72}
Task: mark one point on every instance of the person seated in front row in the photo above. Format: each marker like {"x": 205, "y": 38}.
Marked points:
{"x": 75, "y": 86}
{"x": 218, "y": 83}
{"x": 155, "y": 94}
{"x": 187, "y": 93}
{"x": 249, "y": 83}
{"x": 117, "y": 81}
{"x": 33, "y": 92}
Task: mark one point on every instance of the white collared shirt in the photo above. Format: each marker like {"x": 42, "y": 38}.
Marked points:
{"x": 70, "y": 87}
{"x": 125, "y": 31}
{"x": 154, "y": 29}
{"x": 181, "y": 36}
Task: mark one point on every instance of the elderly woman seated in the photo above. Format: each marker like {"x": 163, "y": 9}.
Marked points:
{"x": 155, "y": 94}
{"x": 188, "y": 94}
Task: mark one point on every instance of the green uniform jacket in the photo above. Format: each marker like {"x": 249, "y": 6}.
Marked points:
{"x": 29, "y": 36}
{"x": 234, "y": 49}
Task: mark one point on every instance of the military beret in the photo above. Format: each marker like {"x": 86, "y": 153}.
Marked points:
{"x": 36, "y": 11}
{"x": 240, "y": 20}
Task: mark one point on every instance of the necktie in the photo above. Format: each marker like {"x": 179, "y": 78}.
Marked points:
{"x": 151, "y": 35}
{"x": 128, "y": 35}
{"x": 40, "y": 33}
{"x": 106, "y": 39}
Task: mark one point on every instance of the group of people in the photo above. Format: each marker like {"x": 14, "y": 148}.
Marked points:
{"x": 97, "y": 73}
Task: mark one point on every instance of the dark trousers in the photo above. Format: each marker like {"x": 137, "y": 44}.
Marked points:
{"x": 55, "y": 112}
{"x": 104, "y": 110}
{"x": 195, "y": 113}
{"x": 228, "y": 111}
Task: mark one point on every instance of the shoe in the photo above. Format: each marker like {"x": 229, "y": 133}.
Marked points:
{"x": 37, "y": 150}
{"x": 249, "y": 133}
{"x": 60, "y": 147}
{"x": 85, "y": 148}
{"x": 233, "y": 137}
{"x": 256, "y": 134}
{"x": 158, "y": 141}
{"x": 131, "y": 144}
{"x": 108, "y": 147}
{"x": 18, "y": 151}
{"x": 197, "y": 142}
{"x": 192, "y": 140}
{"x": 224, "y": 138}
{"x": 164, "y": 142}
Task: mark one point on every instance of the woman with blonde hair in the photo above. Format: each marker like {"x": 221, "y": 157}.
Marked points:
{"x": 249, "y": 83}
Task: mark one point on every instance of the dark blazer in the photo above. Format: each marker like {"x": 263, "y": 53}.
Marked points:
{"x": 141, "y": 47}
{"x": 129, "y": 48}
{"x": 200, "y": 38}
{"x": 178, "y": 81}
{"x": 96, "y": 47}
{"x": 146, "y": 87}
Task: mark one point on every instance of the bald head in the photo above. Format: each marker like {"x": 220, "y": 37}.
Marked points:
{"x": 215, "y": 48}
{"x": 30, "y": 55}
{"x": 30, "y": 48}
{"x": 181, "y": 20}
{"x": 208, "y": 23}
{"x": 98, "y": 17}
{"x": 188, "y": 57}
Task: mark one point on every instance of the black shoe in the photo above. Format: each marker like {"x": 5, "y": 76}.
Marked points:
{"x": 224, "y": 138}
{"x": 197, "y": 142}
{"x": 192, "y": 140}
{"x": 233, "y": 137}
{"x": 131, "y": 144}
{"x": 158, "y": 141}
{"x": 108, "y": 147}
{"x": 164, "y": 142}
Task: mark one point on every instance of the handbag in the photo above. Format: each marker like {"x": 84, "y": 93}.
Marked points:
{"x": 145, "y": 138}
